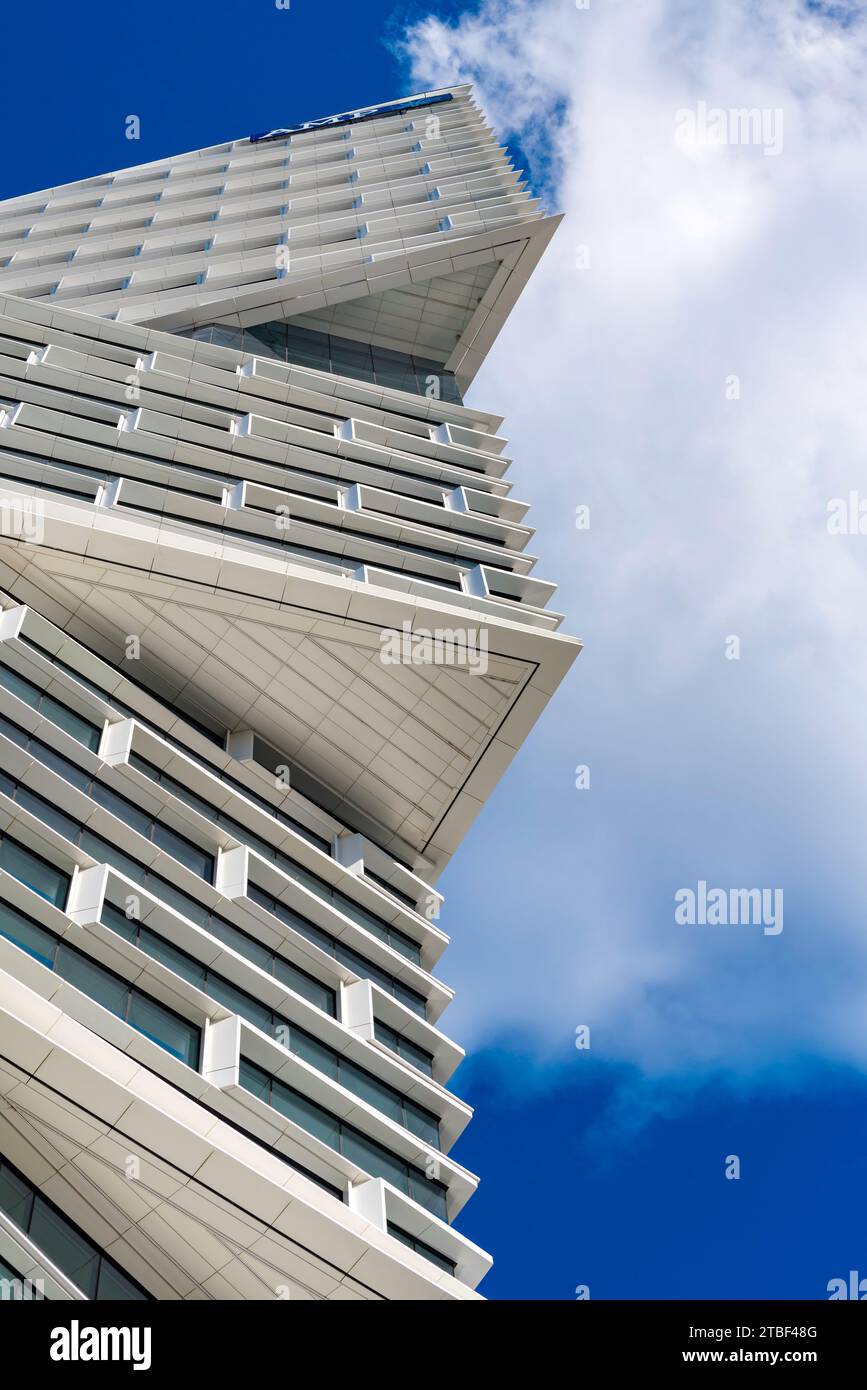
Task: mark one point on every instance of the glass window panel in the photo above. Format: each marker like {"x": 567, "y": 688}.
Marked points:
{"x": 164, "y": 1027}
{"x": 26, "y": 934}
{"x": 24, "y": 689}
{"x": 224, "y": 336}
{"x": 307, "y": 1114}
{"x": 308, "y": 348}
{"x": 345, "y": 954}
{"x": 76, "y": 776}
{"x": 266, "y": 340}
{"x": 410, "y": 950}
{"x": 14, "y": 734}
{"x": 73, "y": 724}
{"x": 119, "y": 922}
{"x": 401, "y": 1236}
{"x": 16, "y": 1197}
{"x": 374, "y": 1159}
{"x": 393, "y": 369}
{"x": 376, "y": 1093}
{"x": 118, "y": 806}
{"x": 351, "y": 359}
{"x": 249, "y": 837}
{"x": 170, "y": 956}
{"x": 113, "y": 1285}
{"x": 65, "y": 825}
{"x": 358, "y": 915}
{"x": 43, "y": 878}
{"x": 239, "y": 1003}
{"x": 100, "y": 849}
{"x": 309, "y": 989}
{"x": 449, "y": 390}
{"x": 421, "y": 1123}
{"x": 93, "y": 980}
{"x": 441, "y": 1261}
{"x": 173, "y": 897}
{"x": 428, "y": 1194}
{"x": 255, "y": 1081}
{"x": 180, "y": 848}
{"x": 197, "y": 803}
{"x": 244, "y": 945}
{"x": 409, "y": 997}
{"x": 69, "y": 1250}
{"x": 416, "y": 1056}
{"x": 313, "y": 1051}
{"x": 7, "y": 1272}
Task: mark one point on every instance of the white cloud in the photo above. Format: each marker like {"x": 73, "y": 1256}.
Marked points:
{"x": 708, "y": 519}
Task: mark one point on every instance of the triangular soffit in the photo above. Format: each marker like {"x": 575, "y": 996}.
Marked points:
{"x": 316, "y": 688}
{"x": 511, "y": 253}
{"x": 425, "y": 318}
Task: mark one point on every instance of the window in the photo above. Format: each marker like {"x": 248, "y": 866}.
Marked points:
{"x": 390, "y": 888}
{"x": 157, "y": 1022}
{"x": 53, "y": 884}
{"x": 74, "y": 1253}
{"x": 326, "y": 352}
{"x": 419, "y": 1246}
{"x": 130, "y": 713}
{"x": 31, "y": 869}
{"x": 97, "y": 690}
{"x": 306, "y": 785}
{"x": 290, "y": 1035}
{"x": 345, "y": 954}
{"x": 409, "y": 1051}
{"x": 175, "y": 844}
{"x": 82, "y": 729}
{"x": 384, "y": 931}
{"x": 373, "y": 1157}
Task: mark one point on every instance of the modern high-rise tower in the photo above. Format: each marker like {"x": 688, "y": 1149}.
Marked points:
{"x": 269, "y": 637}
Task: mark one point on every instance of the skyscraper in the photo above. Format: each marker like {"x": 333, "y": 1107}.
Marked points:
{"x": 269, "y": 637}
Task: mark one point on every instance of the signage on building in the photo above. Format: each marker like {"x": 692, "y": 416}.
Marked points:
{"x": 366, "y": 113}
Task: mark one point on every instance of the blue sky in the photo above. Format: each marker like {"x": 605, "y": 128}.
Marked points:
{"x": 606, "y": 1167}
{"x": 195, "y": 75}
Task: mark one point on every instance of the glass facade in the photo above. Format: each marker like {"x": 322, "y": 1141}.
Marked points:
{"x": 384, "y": 931}
{"x": 32, "y": 870}
{"x": 52, "y": 884}
{"x": 339, "y": 950}
{"x": 178, "y": 846}
{"x": 408, "y": 1051}
{"x": 290, "y": 1035}
{"x": 305, "y": 784}
{"x": 422, "y": 1248}
{"x": 81, "y": 729}
{"x": 284, "y": 341}
{"x": 89, "y": 734}
{"x": 226, "y": 777}
{"x": 88, "y": 1267}
{"x": 371, "y": 1156}
{"x": 157, "y": 1022}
